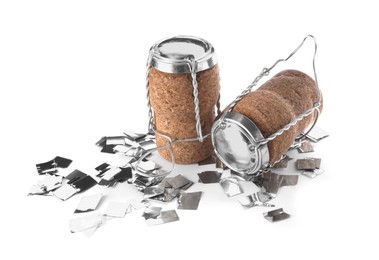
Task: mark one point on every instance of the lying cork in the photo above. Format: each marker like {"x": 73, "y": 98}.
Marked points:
{"x": 276, "y": 103}
{"x": 171, "y": 97}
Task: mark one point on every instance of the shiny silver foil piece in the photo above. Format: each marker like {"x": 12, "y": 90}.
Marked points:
{"x": 37, "y": 190}
{"x": 52, "y": 165}
{"x": 102, "y": 168}
{"x": 108, "y": 175}
{"x": 138, "y": 203}
{"x": 276, "y": 215}
{"x": 317, "y": 134}
{"x": 152, "y": 212}
{"x": 312, "y": 173}
{"x": 257, "y": 199}
{"x": 47, "y": 184}
{"x": 88, "y": 203}
{"x": 178, "y": 182}
{"x": 153, "y": 191}
{"x": 87, "y": 222}
{"x": 271, "y": 182}
{"x": 113, "y": 144}
{"x": 209, "y": 177}
{"x": 148, "y": 166}
{"x": 122, "y": 148}
{"x": 231, "y": 187}
{"x": 65, "y": 192}
{"x": 305, "y": 147}
{"x": 147, "y": 145}
{"x": 189, "y": 200}
{"x": 115, "y": 140}
{"x": 308, "y": 164}
{"x": 77, "y": 181}
{"x": 172, "y": 186}
{"x": 134, "y": 136}
{"x": 283, "y": 163}
{"x": 163, "y": 218}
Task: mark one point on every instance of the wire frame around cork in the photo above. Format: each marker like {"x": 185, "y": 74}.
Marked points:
{"x": 265, "y": 72}
{"x": 192, "y": 65}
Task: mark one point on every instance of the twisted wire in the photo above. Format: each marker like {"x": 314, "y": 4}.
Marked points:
{"x": 149, "y": 108}
{"x": 193, "y": 69}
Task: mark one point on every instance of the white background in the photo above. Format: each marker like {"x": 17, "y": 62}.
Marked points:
{"x": 73, "y": 71}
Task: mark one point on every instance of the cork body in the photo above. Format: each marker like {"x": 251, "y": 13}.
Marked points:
{"x": 276, "y": 103}
{"x": 171, "y": 97}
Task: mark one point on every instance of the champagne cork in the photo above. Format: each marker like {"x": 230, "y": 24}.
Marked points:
{"x": 277, "y": 102}
{"x": 265, "y": 111}
{"x": 171, "y": 94}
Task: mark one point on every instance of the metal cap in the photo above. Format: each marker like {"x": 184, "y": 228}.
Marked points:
{"x": 173, "y": 55}
{"x": 234, "y": 141}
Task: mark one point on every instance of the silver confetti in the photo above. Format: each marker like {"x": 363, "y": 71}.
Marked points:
{"x": 305, "y": 147}
{"x": 231, "y": 187}
{"x": 50, "y": 182}
{"x": 163, "y": 218}
{"x": 317, "y": 162}
{"x": 283, "y": 163}
{"x": 122, "y": 148}
{"x": 111, "y": 173}
{"x": 153, "y": 191}
{"x": 209, "y": 177}
{"x": 134, "y": 136}
{"x": 289, "y": 180}
{"x": 88, "y": 203}
{"x": 147, "y": 145}
{"x": 257, "y": 199}
{"x": 115, "y": 140}
{"x": 312, "y": 173}
{"x": 308, "y": 164}
{"x": 138, "y": 203}
{"x": 118, "y": 209}
{"x": 273, "y": 181}
{"x": 189, "y": 200}
{"x": 148, "y": 166}
{"x": 152, "y": 212}
{"x": 179, "y": 181}
{"x": 134, "y": 152}
{"x": 317, "y": 134}
{"x": 65, "y": 192}
{"x": 87, "y": 222}
{"x": 37, "y": 190}
{"x": 276, "y": 215}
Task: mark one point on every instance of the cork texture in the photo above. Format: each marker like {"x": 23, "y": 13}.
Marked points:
{"x": 277, "y": 102}
{"x": 171, "y": 96}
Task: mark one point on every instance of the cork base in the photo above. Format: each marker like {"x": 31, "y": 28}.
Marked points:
{"x": 186, "y": 152}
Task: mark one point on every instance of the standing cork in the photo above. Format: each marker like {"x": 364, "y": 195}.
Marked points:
{"x": 171, "y": 94}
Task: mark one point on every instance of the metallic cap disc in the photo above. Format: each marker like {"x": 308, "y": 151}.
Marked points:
{"x": 172, "y": 55}
{"x": 234, "y": 141}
